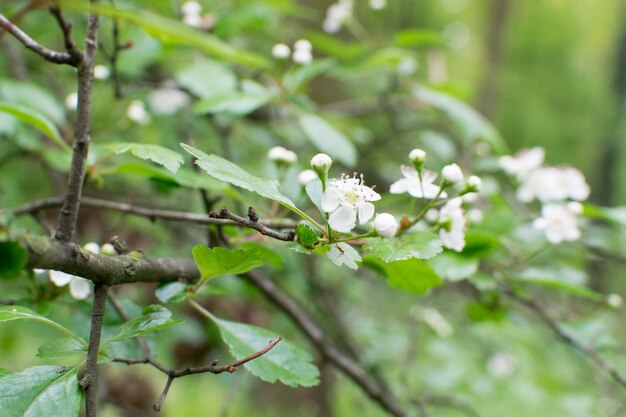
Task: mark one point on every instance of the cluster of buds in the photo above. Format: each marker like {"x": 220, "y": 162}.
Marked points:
{"x": 302, "y": 52}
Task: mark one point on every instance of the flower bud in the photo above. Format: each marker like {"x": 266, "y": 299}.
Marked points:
{"x": 303, "y": 45}
{"x": 575, "y": 207}
{"x": 92, "y": 247}
{"x": 100, "y": 72}
{"x": 452, "y": 174}
{"x": 108, "y": 250}
{"x": 417, "y": 157}
{"x": 385, "y": 225}
{"x": 280, "y": 155}
{"x": 321, "y": 163}
{"x": 473, "y": 185}
{"x": 281, "y": 51}
{"x": 432, "y": 215}
{"x": 306, "y": 176}
{"x": 615, "y": 300}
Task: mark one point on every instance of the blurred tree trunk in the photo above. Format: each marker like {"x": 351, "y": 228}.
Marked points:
{"x": 487, "y": 97}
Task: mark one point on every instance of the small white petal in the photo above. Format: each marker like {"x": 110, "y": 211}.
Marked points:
{"x": 343, "y": 219}
{"x": 60, "y": 279}
{"x": 331, "y": 199}
{"x": 366, "y": 211}
{"x": 80, "y": 288}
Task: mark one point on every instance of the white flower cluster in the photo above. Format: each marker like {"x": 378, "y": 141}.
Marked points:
{"x": 559, "y": 189}
{"x": 302, "y": 52}
{"x": 191, "y": 11}
{"x": 80, "y": 288}
{"x": 419, "y": 183}
{"x": 337, "y": 14}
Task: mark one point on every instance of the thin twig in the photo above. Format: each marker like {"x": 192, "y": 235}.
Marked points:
{"x": 152, "y": 214}
{"x": 82, "y": 131}
{"x": 88, "y": 381}
{"x": 561, "y": 334}
{"x": 253, "y": 222}
{"x": 46, "y": 53}
{"x": 66, "y": 28}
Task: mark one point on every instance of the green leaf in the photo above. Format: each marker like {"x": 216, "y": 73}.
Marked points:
{"x": 221, "y": 261}
{"x": 328, "y": 139}
{"x": 174, "y": 32}
{"x": 36, "y": 119}
{"x": 32, "y": 95}
{"x": 4, "y": 372}
{"x": 14, "y": 258}
{"x": 314, "y": 191}
{"x": 564, "y": 279}
{"x": 419, "y": 245}
{"x": 418, "y": 37}
{"x": 152, "y": 318}
{"x": 333, "y": 46}
{"x": 306, "y": 236}
{"x": 206, "y": 78}
{"x": 454, "y": 267}
{"x": 286, "y": 362}
{"x": 238, "y": 103}
{"x": 172, "y": 292}
{"x": 472, "y": 124}
{"x": 169, "y": 159}
{"x": 302, "y": 75}
{"x": 10, "y": 313}
{"x": 41, "y": 391}
{"x": 344, "y": 254}
{"x": 61, "y": 348}
{"x": 411, "y": 275}
{"x": 225, "y": 170}
{"x": 298, "y": 248}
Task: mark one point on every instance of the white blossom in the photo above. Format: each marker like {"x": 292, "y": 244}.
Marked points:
{"x": 378, "y": 4}
{"x": 411, "y": 184}
{"x": 452, "y": 173}
{"x": 92, "y": 247}
{"x": 559, "y": 223}
{"x": 474, "y": 184}
{"x": 281, "y": 155}
{"x": 303, "y": 45}
{"x": 336, "y": 15}
{"x": 100, "y": 72}
{"x": 385, "y": 225}
{"x": 137, "y": 112}
{"x": 191, "y": 7}
{"x": 523, "y": 163}
{"x": 452, "y": 221}
{"x": 554, "y": 184}
{"x": 615, "y": 300}
{"x": 432, "y": 215}
{"x": 417, "y": 155}
{"x": 108, "y": 250}
{"x": 346, "y": 199}
{"x": 321, "y": 162}
{"x": 80, "y": 288}
{"x": 167, "y": 101}
{"x": 71, "y": 101}
{"x": 302, "y": 56}
{"x": 306, "y": 176}
{"x": 193, "y": 20}
{"x": 281, "y": 51}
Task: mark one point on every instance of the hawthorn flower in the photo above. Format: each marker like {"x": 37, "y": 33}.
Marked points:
{"x": 321, "y": 162}
{"x": 474, "y": 184}
{"x": 281, "y": 51}
{"x": 411, "y": 184}
{"x": 191, "y": 13}
{"x": 71, "y": 101}
{"x": 302, "y": 52}
{"x": 452, "y": 173}
{"x": 523, "y": 163}
{"x": 385, "y": 225}
{"x": 336, "y": 15}
{"x": 167, "y": 100}
{"x": 417, "y": 155}
{"x": 452, "y": 221}
{"x": 559, "y": 223}
{"x": 306, "y": 176}
{"x": 554, "y": 184}
{"x": 137, "y": 112}
{"x": 80, "y": 288}
{"x": 615, "y": 300}
{"x": 377, "y": 4}
{"x": 100, "y": 72}
{"x": 346, "y": 199}
{"x": 281, "y": 155}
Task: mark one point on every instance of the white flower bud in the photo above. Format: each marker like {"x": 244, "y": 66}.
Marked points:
{"x": 137, "y": 112}
{"x": 474, "y": 184}
{"x": 190, "y": 7}
{"x": 108, "y": 250}
{"x": 193, "y": 20}
{"x": 417, "y": 155}
{"x": 432, "y": 215}
{"x": 92, "y": 247}
{"x": 279, "y": 154}
{"x": 452, "y": 173}
{"x": 100, "y": 72}
{"x": 378, "y": 4}
{"x": 306, "y": 176}
{"x": 302, "y": 56}
{"x": 281, "y": 51}
{"x": 615, "y": 300}
{"x": 303, "y": 45}
{"x": 385, "y": 225}
{"x": 575, "y": 207}
{"x": 71, "y": 101}
{"x": 321, "y": 162}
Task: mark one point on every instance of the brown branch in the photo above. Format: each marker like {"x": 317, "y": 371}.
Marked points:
{"x": 88, "y": 381}
{"x": 372, "y": 387}
{"x": 561, "y": 334}
{"x": 82, "y": 132}
{"x": 253, "y": 222}
{"x": 66, "y": 28}
{"x": 153, "y": 214}
{"x": 213, "y": 368}
{"x": 46, "y": 53}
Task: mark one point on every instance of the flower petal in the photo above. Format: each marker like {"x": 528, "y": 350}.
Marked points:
{"x": 59, "y": 278}
{"x": 343, "y": 219}
{"x": 366, "y": 211}
{"x": 330, "y": 199}
{"x": 80, "y": 288}
{"x": 399, "y": 187}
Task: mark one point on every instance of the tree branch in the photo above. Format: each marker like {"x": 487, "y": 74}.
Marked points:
{"x": 88, "y": 381}
{"x": 183, "y": 216}
{"x": 47, "y": 54}
{"x": 82, "y": 133}
{"x": 66, "y": 28}
{"x": 372, "y": 387}
{"x": 588, "y": 351}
